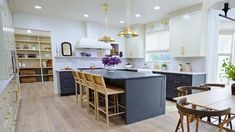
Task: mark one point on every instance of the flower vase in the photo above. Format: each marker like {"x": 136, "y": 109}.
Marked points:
{"x": 111, "y": 68}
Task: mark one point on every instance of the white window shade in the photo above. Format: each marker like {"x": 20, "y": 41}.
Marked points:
{"x": 157, "y": 41}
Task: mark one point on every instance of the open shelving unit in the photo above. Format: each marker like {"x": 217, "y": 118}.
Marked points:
{"x": 34, "y": 55}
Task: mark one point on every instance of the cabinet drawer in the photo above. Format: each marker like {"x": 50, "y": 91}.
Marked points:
{"x": 66, "y": 74}
{"x": 183, "y": 78}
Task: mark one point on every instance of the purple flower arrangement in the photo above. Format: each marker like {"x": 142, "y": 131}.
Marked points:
{"x": 111, "y": 61}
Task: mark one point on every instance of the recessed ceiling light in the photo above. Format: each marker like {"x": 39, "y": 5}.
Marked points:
{"x": 29, "y": 31}
{"x": 157, "y": 7}
{"x": 38, "y": 7}
{"x": 86, "y": 15}
{"x": 137, "y": 15}
{"x": 122, "y": 21}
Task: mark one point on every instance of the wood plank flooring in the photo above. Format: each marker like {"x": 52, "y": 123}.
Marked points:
{"x": 42, "y": 111}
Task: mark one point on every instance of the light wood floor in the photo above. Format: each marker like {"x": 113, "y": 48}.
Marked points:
{"x": 41, "y": 111}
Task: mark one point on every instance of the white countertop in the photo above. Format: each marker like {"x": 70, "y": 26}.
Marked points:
{"x": 178, "y": 72}
{"x": 4, "y": 83}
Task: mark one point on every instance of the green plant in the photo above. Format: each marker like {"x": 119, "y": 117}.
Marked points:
{"x": 229, "y": 69}
{"x": 164, "y": 65}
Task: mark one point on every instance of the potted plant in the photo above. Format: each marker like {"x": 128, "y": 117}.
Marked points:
{"x": 111, "y": 61}
{"x": 229, "y": 70}
{"x": 164, "y": 66}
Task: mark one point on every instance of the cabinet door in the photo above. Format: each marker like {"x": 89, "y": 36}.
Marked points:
{"x": 193, "y": 38}
{"x": 129, "y": 48}
{"x": 185, "y": 35}
{"x": 135, "y": 46}
{"x": 170, "y": 89}
{"x": 177, "y": 32}
{"x": 67, "y": 83}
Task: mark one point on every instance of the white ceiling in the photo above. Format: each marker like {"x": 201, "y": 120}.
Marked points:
{"x": 74, "y": 9}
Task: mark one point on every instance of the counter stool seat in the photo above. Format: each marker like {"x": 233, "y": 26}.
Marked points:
{"x": 111, "y": 90}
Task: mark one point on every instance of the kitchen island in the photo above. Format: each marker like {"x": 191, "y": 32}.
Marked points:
{"x": 145, "y": 93}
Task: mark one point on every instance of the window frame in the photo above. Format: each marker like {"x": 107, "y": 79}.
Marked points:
{"x": 225, "y": 54}
{"x": 157, "y": 51}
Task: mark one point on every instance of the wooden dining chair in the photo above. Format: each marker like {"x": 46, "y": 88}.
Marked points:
{"x": 77, "y": 82}
{"x": 90, "y": 93}
{"x": 199, "y": 125}
{"x": 213, "y": 85}
{"x": 186, "y": 90}
{"x": 82, "y": 86}
{"x": 107, "y": 91}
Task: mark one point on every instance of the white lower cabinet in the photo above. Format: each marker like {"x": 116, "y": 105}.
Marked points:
{"x": 9, "y": 102}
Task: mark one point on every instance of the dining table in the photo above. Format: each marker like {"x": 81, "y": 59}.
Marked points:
{"x": 217, "y": 99}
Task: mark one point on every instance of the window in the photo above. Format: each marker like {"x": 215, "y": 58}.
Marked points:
{"x": 224, "y": 51}
{"x": 157, "y": 46}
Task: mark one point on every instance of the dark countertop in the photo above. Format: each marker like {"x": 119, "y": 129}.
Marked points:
{"x": 122, "y": 75}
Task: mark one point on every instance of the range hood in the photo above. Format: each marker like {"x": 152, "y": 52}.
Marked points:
{"x": 89, "y": 43}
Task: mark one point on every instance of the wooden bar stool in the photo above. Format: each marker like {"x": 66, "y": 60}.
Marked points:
{"x": 90, "y": 88}
{"x": 101, "y": 88}
{"x": 82, "y": 85}
{"x": 77, "y": 82}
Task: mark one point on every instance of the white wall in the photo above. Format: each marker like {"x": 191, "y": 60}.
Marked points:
{"x": 66, "y": 30}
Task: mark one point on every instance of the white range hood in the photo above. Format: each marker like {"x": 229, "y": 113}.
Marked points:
{"x": 89, "y": 43}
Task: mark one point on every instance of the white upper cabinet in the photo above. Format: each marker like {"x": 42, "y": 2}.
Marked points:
{"x": 185, "y": 35}
{"x": 134, "y": 47}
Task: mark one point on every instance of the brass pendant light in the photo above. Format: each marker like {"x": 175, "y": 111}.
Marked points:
{"x": 106, "y": 38}
{"x": 127, "y": 32}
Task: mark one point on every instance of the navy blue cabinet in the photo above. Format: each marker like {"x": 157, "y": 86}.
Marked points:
{"x": 174, "y": 80}
{"x": 66, "y": 84}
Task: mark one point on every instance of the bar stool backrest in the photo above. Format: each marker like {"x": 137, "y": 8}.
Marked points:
{"x": 89, "y": 79}
{"x": 82, "y": 78}
{"x": 75, "y": 76}
{"x": 99, "y": 82}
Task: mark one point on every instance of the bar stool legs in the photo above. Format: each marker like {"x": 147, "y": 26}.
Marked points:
{"x": 107, "y": 109}
{"x": 88, "y": 100}
{"x": 97, "y": 105}
{"x": 76, "y": 90}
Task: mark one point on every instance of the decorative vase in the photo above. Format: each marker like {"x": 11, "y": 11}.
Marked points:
{"x": 233, "y": 89}
{"x": 111, "y": 68}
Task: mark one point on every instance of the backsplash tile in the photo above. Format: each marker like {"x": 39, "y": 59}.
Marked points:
{"x": 198, "y": 63}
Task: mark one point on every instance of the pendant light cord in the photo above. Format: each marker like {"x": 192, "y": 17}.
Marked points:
{"x": 106, "y": 8}
{"x": 128, "y": 12}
